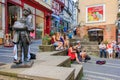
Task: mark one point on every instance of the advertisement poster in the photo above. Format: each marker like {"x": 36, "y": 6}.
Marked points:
{"x": 95, "y": 13}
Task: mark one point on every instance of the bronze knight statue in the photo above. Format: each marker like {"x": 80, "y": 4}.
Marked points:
{"x": 21, "y": 37}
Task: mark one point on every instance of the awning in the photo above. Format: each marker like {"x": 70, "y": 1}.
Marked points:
{"x": 95, "y": 30}
{"x": 57, "y": 18}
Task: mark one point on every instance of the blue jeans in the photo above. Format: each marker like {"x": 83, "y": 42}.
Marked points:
{"x": 103, "y": 52}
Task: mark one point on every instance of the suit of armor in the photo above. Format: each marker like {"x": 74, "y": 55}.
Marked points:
{"x": 21, "y": 38}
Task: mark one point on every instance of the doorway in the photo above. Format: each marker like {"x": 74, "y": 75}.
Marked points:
{"x": 95, "y": 35}
{"x": 13, "y": 12}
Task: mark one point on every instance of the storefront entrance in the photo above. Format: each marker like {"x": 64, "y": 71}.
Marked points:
{"x": 95, "y": 35}
{"x": 13, "y": 12}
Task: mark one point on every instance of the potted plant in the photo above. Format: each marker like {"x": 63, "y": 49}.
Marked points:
{"x": 46, "y": 45}
{"x": 46, "y": 40}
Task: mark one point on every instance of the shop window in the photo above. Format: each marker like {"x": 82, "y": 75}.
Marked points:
{"x": 2, "y": 21}
{"x": 31, "y": 8}
{"x": 39, "y": 13}
{"x": 39, "y": 24}
{"x": 2, "y": 16}
{"x": 14, "y": 14}
{"x": 2, "y": 1}
{"x": 26, "y": 6}
{"x": 39, "y": 27}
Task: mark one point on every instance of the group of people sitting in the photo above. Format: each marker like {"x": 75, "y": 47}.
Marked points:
{"x": 60, "y": 41}
{"x": 111, "y": 48}
{"x": 75, "y": 52}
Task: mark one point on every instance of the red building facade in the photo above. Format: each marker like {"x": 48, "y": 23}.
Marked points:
{"x": 13, "y": 11}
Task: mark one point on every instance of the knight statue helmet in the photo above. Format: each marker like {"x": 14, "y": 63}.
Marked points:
{"x": 27, "y": 12}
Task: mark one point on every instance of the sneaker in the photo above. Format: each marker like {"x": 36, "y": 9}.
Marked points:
{"x": 61, "y": 48}
{"x": 57, "y": 49}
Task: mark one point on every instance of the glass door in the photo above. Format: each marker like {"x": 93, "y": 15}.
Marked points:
{"x": 13, "y": 15}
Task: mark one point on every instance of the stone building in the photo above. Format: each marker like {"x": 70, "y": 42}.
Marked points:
{"x": 97, "y": 19}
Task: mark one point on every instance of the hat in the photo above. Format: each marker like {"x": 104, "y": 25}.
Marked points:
{"x": 28, "y": 10}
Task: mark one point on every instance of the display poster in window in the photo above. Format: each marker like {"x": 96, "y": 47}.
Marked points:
{"x": 95, "y": 13}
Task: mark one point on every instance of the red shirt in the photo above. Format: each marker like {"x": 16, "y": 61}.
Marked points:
{"x": 109, "y": 46}
{"x": 71, "y": 54}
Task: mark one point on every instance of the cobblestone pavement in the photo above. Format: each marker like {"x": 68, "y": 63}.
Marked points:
{"x": 108, "y": 71}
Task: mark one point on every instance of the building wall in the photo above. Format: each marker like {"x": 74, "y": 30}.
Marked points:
{"x": 48, "y": 5}
{"x": 108, "y": 25}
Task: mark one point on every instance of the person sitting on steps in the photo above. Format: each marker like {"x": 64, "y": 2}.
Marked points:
{"x": 55, "y": 40}
{"x": 72, "y": 54}
{"x": 85, "y": 57}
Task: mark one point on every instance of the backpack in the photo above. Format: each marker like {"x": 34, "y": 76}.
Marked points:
{"x": 33, "y": 56}
{"x": 100, "y": 62}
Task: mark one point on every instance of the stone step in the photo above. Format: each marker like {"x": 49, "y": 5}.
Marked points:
{"x": 47, "y": 66}
{"x": 78, "y": 71}
{"x": 88, "y": 43}
{"x": 90, "y": 47}
{"x": 49, "y": 58}
{"x": 46, "y": 48}
{"x": 73, "y": 40}
{"x": 40, "y": 72}
{"x": 94, "y": 53}
{"x": 61, "y": 53}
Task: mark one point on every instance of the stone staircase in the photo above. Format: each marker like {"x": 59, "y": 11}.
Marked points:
{"x": 47, "y": 66}
{"x": 91, "y": 47}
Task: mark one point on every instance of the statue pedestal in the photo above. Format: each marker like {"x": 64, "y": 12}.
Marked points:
{"x": 23, "y": 65}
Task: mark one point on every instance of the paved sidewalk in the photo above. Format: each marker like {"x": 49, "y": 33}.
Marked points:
{"x": 108, "y": 71}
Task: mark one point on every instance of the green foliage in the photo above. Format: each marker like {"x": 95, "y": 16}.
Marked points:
{"x": 61, "y": 26}
{"x": 86, "y": 36}
{"x": 105, "y": 42}
{"x": 51, "y": 33}
{"x": 46, "y": 40}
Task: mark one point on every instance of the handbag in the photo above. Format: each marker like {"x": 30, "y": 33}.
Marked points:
{"x": 100, "y": 62}
{"x": 19, "y": 25}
